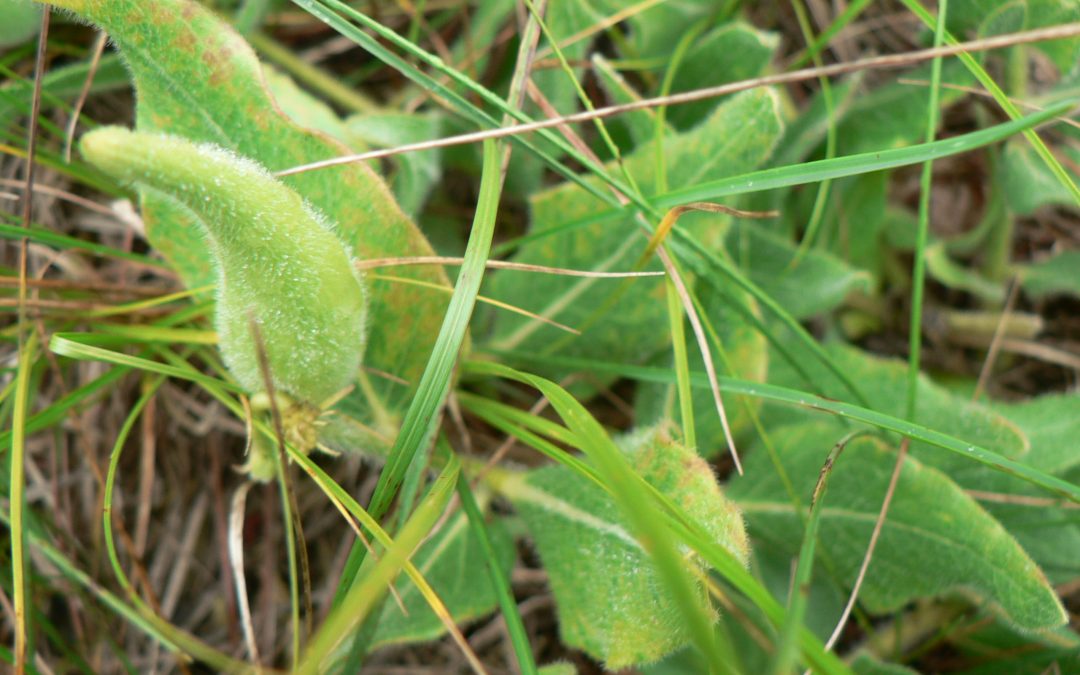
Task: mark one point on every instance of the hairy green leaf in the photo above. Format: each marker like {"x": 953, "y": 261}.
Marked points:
{"x": 611, "y": 602}
{"x": 279, "y": 262}
{"x": 936, "y": 540}
{"x": 1057, "y": 274}
{"x": 195, "y": 77}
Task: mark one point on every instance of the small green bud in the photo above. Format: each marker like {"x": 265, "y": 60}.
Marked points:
{"x": 278, "y": 261}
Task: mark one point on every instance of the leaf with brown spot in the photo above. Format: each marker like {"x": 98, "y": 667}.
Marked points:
{"x": 197, "y": 78}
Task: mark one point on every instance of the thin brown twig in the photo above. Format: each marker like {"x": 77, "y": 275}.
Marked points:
{"x": 877, "y": 62}
{"x": 975, "y": 91}
{"x": 95, "y": 60}
{"x": 1021, "y": 500}
{"x": 995, "y": 342}
{"x": 878, "y": 525}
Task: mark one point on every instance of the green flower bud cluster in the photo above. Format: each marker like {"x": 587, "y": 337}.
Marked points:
{"x": 279, "y": 262}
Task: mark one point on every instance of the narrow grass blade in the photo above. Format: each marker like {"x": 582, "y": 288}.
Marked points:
{"x": 798, "y": 398}
{"x": 75, "y": 345}
{"x": 17, "y": 497}
{"x": 418, "y": 427}
{"x": 637, "y": 505}
{"x": 800, "y": 587}
{"x": 918, "y": 274}
{"x": 680, "y": 524}
{"x": 1002, "y": 99}
{"x": 518, "y": 638}
{"x": 363, "y": 596}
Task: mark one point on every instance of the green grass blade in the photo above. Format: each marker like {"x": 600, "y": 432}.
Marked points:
{"x": 518, "y": 638}
{"x": 802, "y": 399}
{"x": 680, "y": 523}
{"x": 637, "y": 506}
{"x": 418, "y": 426}
{"x": 321, "y": 10}
{"x": 76, "y": 346}
{"x": 853, "y": 165}
{"x": 918, "y": 274}
{"x": 17, "y": 497}
{"x": 850, "y": 13}
{"x": 363, "y": 596}
{"x": 800, "y": 587}
{"x": 66, "y": 243}
{"x": 1002, "y": 99}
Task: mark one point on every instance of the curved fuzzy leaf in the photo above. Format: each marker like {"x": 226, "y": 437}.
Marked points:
{"x": 611, "y": 602}
{"x": 195, "y": 77}
{"x": 936, "y": 541}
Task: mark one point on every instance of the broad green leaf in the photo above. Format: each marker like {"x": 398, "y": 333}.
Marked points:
{"x": 417, "y": 172}
{"x": 454, "y": 564}
{"x": 1051, "y": 535}
{"x": 894, "y": 115}
{"x": 729, "y": 53}
{"x": 1057, "y": 274}
{"x": 195, "y": 77}
{"x": 817, "y": 284}
{"x": 937, "y": 541}
{"x": 558, "y": 668}
{"x": 634, "y": 329}
{"x": 1027, "y": 183}
{"x": 1052, "y": 427}
{"x": 747, "y": 354}
{"x": 610, "y": 600}
{"x": 304, "y": 109}
{"x": 884, "y": 383}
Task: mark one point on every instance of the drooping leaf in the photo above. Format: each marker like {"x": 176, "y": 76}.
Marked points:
{"x": 195, "y": 77}
{"x": 610, "y": 600}
{"x": 1027, "y": 183}
{"x": 937, "y": 541}
{"x": 454, "y": 564}
{"x": 884, "y": 383}
{"x": 634, "y": 329}
{"x": 1057, "y": 274}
